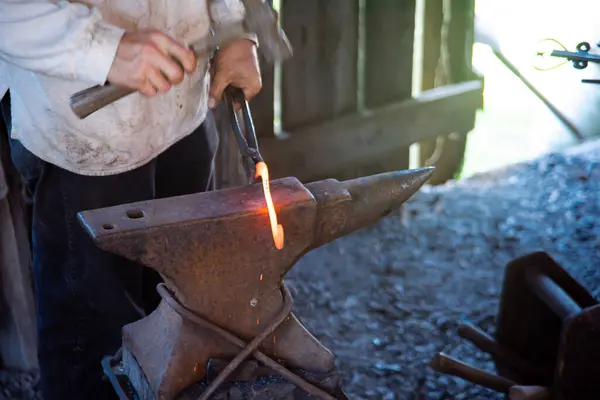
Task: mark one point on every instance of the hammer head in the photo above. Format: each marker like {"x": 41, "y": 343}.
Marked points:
{"x": 260, "y": 19}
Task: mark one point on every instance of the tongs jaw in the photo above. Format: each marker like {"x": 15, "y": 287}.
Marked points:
{"x": 245, "y": 137}
{"x": 581, "y": 58}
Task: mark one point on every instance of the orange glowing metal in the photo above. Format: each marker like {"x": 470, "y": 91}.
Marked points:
{"x": 277, "y": 229}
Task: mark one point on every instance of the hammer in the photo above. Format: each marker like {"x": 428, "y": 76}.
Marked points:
{"x": 259, "y": 19}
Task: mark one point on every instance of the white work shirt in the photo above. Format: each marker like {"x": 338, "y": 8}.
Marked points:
{"x": 52, "y": 49}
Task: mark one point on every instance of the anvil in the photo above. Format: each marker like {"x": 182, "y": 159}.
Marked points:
{"x": 216, "y": 255}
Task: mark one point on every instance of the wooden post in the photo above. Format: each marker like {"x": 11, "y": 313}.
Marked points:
{"x": 389, "y": 45}
{"x": 432, "y": 40}
{"x": 18, "y": 343}
{"x": 457, "y": 39}
{"x": 460, "y": 39}
{"x": 320, "y": 81}
{"x": 228, "y": 166}
{"x": 433, "y": 19}
{"x": 390, "y": 33}
{"x": 262, "y": 106}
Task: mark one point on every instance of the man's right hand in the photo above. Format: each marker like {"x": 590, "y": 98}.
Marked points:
{"x": 147, "y": 61}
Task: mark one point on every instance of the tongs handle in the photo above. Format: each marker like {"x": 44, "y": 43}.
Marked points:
{"x": 247, "y": 141}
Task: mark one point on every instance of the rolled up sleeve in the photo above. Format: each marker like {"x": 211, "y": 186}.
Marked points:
{"x": 60, "y": 39}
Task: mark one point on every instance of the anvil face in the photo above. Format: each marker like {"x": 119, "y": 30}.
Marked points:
{"x": 216, "y": 254}
{"x": 212, "y": 248}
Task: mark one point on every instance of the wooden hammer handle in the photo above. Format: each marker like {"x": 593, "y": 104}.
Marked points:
{"x": 90, "y": 100}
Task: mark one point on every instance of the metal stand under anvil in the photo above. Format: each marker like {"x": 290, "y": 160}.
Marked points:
{"x": 223, "y": 298}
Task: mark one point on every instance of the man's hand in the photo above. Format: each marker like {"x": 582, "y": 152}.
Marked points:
{"x": 235, "y": 65}
{"x": 148, "y": 61}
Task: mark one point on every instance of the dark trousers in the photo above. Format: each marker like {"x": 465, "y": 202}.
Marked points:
{"x": 83, "y": 294}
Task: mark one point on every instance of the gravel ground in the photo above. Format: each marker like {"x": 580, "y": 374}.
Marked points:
{"x": 387, "y": 298}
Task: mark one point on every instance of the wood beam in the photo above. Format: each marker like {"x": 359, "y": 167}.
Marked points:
{"x": 324, "y": 149}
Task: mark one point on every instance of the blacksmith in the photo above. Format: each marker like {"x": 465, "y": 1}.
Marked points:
{"x": 156, "y": 143}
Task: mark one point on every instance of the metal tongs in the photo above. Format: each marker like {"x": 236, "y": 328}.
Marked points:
{"x": 581, "y": 58}
{"x": 245, "y": 137}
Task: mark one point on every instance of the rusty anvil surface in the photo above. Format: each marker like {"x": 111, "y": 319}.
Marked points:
{"x": 216, "y": 254}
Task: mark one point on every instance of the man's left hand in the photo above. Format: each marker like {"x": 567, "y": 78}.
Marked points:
{"x": 237, "y": 65}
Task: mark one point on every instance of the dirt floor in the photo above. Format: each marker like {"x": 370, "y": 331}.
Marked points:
{"x": 387, "y": 298}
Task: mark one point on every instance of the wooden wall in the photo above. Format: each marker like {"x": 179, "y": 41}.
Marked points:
{"x": 352, "y": 69}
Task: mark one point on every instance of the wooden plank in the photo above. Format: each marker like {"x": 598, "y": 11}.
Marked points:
{"x": 221, "y": 165}
{"x": 433, "y": 20}
{"x": 389, "y": 44}
{"x": 228, "y": 166}
{"x": 329, "y": 147}
{"x": 320, "y": 81}
{"x": 432, "y": 42}
{"x": 457, "y": 44}
{"x": 461, "y": 37}
{"x": 18, "y": 341}
{"x": 389, "y": 30}
{"x": 262, "y": 106}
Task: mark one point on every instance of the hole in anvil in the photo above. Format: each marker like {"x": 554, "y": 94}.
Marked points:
{"x": 135, "y": 214}
{"x": 108, "y": 227}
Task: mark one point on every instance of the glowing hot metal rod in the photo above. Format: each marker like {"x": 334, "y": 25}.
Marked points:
{"x": 278, "y": 236}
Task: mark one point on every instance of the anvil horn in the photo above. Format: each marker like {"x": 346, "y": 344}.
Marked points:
{"x": 216, "y": 254}
{"x": 362, "y": 201}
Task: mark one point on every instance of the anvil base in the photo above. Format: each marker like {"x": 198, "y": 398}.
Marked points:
{"x": 251, "y": 377}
